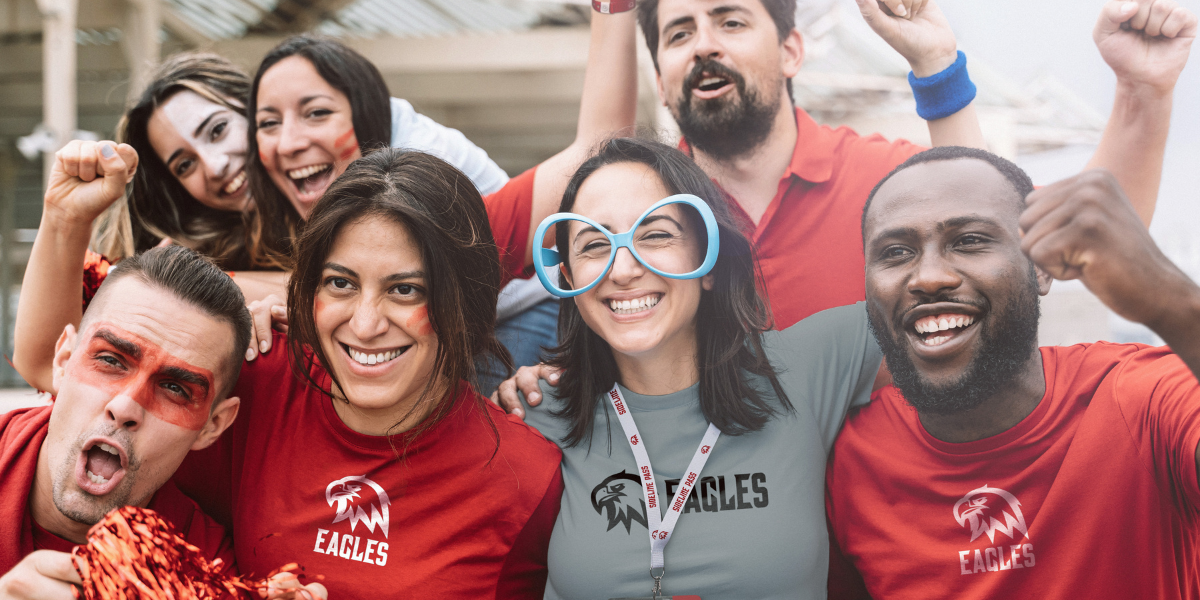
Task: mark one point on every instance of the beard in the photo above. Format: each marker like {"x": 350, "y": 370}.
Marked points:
{"x": 724, "y": 127}
{"x": 1006, "y": 341}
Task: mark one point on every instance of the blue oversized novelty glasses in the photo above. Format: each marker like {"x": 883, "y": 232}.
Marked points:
{"x": 659, "y": 240}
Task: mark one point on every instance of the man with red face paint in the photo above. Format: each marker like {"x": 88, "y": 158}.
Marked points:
{"x": 142, "y": 382}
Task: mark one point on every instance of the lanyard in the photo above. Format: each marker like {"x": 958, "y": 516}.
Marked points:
{"x": 660, "y": 528}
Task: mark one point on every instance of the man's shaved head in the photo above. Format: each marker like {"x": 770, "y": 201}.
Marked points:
{"x": 1022, "y": 185}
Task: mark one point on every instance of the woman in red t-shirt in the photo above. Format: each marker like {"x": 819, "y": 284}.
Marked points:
{"x": 362, "y": 447}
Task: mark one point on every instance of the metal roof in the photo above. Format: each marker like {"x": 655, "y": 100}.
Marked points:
{"x": 229, "y": 19}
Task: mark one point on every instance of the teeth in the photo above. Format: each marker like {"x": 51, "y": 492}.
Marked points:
{"x": 711, "y": 80}
{"x": 935, "y": 323}
{"x": 628, "y": 307}
{"x": 363, "y": 358}
{"x": 308, "y": 171}
{"x": 109, "y": 449}
{"x": 937, "y": 341}
{"x": 96, "y": 478}
{"x": 236, "y": 184}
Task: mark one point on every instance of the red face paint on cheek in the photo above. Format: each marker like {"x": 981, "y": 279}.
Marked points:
{"x": 349, "y": 152}
{"x": 151, "y": 376}
{"x": 344, "y": 138}
{"x": 342, "y": 141}
{"x": 419, "y": 322}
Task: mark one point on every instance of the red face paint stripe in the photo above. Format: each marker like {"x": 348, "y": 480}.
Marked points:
{"x": 349, "y": 152}
{"x": 345, "y": 137}
{"x": 419, "y": 321}
{"x": 142, "y": 377}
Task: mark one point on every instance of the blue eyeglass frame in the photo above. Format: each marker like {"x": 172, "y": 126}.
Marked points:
{"x": 547, "y": 258}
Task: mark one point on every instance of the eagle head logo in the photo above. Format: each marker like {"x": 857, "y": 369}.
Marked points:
{"x": 612, "y": 499}
{"x": 988, "y": 510}
{"x": 347, "y": 494}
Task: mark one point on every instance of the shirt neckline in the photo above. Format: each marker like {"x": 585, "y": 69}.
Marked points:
{"x": 812, "y": 158}
{"x": 643, "y": 403}
{"x": 379, "y": 443}
{"x": 1012, "y": 434}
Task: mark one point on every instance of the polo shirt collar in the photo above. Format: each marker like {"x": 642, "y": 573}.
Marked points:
{"x": 812, "y": 160}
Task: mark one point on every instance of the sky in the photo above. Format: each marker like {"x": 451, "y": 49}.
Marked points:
{"x": 1026, "y": 38}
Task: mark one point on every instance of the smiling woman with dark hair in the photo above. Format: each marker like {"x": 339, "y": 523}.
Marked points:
{"x": 410, "y": 484}
{"x": 723, "y": 428}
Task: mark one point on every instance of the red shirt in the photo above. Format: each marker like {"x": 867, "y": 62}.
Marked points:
{"x": 1093, "y": 495}
{"x": 809, "y": 240}
{"x": 509, "y": 210}
{"x": 462, "y": 514}
{"x": 21, "y": 434}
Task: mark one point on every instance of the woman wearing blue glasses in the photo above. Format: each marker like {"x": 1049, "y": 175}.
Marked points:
{"x": 710, "y": 482}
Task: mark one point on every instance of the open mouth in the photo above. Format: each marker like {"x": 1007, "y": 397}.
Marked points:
{"x": 712, "y": 83}
{"x": 237, "y": 184}
{"x": 101, "y": 467}
{"x": 374, "y": 358}
{"x": 312, "y": 180}
{"x": 634, "y": 306}
{"x": 935, "y": 330}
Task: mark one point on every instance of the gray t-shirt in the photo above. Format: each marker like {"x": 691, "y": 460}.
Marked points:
{"x": 754, "y": 527}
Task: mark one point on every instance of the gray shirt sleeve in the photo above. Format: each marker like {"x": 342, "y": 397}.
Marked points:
{"x": 826, "y": 364}
{"x": 415, "y": 131}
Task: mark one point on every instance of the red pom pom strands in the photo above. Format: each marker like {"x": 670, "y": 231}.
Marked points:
{"x": 133, "y": 554}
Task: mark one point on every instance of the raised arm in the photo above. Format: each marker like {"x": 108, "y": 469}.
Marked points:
{"x": 86, "y": 178}
{"x": 608, "y": 108}
{"x": 1085, "y": 228}
{"x": 1146, "y": 43}
{"x": 920, "y": 33}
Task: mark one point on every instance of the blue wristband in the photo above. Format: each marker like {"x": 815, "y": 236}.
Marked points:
{"x": 943, "y": 94}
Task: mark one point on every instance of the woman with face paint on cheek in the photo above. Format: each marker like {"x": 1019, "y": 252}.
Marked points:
{"x": 315, "y": 106}
{"x": 364, "y": 439}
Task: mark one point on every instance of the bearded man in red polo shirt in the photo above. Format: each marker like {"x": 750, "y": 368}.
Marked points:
{"x": 994, "y": 468}
{"x": 724, "y": 70}
{"x": 141, "y": 383}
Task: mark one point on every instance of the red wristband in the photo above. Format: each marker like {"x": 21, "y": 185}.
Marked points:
{"x": 613, "y": 7}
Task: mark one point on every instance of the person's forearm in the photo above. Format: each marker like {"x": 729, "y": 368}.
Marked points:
{"x": 256, "y": 285}
{"x": 1179, "y": 326}
{"x": 608, "y": 107}
{"x": 609, "y": 101}
{"x": 1134, "y": 142}
{"x": 959, "y": 129}
{"x": 51, "y": 295}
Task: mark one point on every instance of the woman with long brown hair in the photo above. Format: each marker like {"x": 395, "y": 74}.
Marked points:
{"x": 362, "y": 437}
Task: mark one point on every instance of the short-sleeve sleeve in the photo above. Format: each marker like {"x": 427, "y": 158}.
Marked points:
{"x": 1159, "y": 398}
{"x": 826, "y": 363}
{"x": 509, "y": 211}
{"x": 415, "y": 131}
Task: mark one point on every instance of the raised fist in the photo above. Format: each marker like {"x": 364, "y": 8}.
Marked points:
{"x": 916, "y": 29}
{"x": 88, "y": 177}
{"x": 1084, "y": 228}
{"x": 1146, "y": 42}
